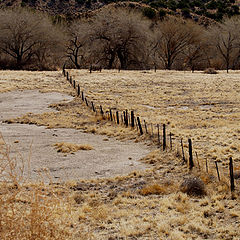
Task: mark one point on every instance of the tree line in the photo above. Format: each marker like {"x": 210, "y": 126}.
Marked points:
{"x": 116, "y": 38}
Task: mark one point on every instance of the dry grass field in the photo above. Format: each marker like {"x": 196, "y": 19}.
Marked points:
{"x": 150, "y": 204}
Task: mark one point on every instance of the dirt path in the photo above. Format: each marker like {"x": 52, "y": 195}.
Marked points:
{"x": 108, "y": 158}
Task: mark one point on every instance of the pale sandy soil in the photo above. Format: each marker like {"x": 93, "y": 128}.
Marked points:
{"x": 108, "y": 157}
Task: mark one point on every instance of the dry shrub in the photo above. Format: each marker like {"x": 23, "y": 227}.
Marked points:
{"x": 27, "y": 211}
{"x": 71, "y": 147}
{"x": 193, "y": 186}
{"x": 210, "y": 71}
{"x": 153, "y": 189}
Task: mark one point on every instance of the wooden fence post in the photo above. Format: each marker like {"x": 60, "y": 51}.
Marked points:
{"x": 206, "y": 165}
{"x": 74, "y": 84}
{"x": 217, "y": 170}
{"x": 164, "y": 137}
{"x": 170, "y": 139}
{"x": 67, "y": 76}
{"x": 191, "y": 164}
{"x": 111, "y": 117}
{"x": 231, "y": 174}
{"x": 93, "y": 108}
{"x": 158, "y": 131}
{"x": 139, "y": 125}
{"x": 132, "y": 119}
{"x": 117, "y": 116}
{"x": 78, "y": 90}
{"x": 145, "y": 124}
{"x": 126, "y": 118}
{"x": 183, "y": 155}
{"x": 101, "y": 110}
{"x": 82, "y": 96}
{"x": 86, "y": 101}
{"x": 136, "y": 123}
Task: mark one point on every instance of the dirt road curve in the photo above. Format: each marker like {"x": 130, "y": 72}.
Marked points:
{"x": 109, "y": 157}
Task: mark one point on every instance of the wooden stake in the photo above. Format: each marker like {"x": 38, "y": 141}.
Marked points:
{"x": 82, "y": 96}
{"x": 78, "y": 90}
{"x": 146, "y": 127}
{"x": 170, "y": 136}
{"x": 206, "y": 166}
{"x": 86, "y": 101}
{"x": 164, "y": 137}
{"x": 111, "y": 117}
{"x": 132, "y": 119}
{"x": 191, "y": 164}
{"x": 126, "y": 118}
{"x": 231, "y": 174}
{"x": 217, "y": 171}
{"x": 93, "y": 108}
{"x": 197, "y": 160}
{"x": 139, "y": 125}
{"x": 101, "y": 110}
{"x": 183, "y": 155}
{"x": 158, "y": 131}
{"x": 117, "y": 116}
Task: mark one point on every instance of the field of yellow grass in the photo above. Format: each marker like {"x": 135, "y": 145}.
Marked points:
{"x": 141, "y": 205}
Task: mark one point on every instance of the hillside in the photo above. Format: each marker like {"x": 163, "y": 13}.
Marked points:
{"x": 213, "y": 9}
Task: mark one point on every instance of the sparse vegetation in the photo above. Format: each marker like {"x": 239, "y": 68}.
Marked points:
{"x": 124, "y": 206}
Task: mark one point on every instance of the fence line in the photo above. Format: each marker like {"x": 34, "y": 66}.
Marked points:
{"x": 134, "y": 122}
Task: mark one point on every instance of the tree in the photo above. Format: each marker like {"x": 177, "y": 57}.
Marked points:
{"x": 225, "y": 38}
{"x": 120, "y": 37}
{"x": 26, "y": 36}
{"x": 78, "y": 43}
{"x": 174, "y": 35}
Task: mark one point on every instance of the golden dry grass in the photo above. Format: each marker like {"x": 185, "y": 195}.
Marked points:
{"x": 71, "y": 147}
{"x": 147, "y": 204}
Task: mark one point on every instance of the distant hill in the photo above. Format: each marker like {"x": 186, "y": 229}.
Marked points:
{"x": 196, "y": 9}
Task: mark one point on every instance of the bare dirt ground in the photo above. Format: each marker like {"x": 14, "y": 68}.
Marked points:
{"x": 108, "y": 158}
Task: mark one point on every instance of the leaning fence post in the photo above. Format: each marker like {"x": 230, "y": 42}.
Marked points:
{"x": 139, "y": 125}
{"x": 217, "y": 170}
{"x": 146, "y": 127}
{"x": 190, "y": 154}
{"x": 111, "y": 117}
{"x": 183, "y": 155}
{"x": 86, "y": 101}
{"x": 164, "y": 137}
{"x": 231, "y": 174}
{"x": 93, "y": 108}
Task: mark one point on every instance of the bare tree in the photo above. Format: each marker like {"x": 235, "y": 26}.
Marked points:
{"x": 121, "y": 36}
{"x": 174, "y": 35}
{"x": 26, "y": 35}
{"x": 225, "y": 38}
{"x": 79, "y": 42}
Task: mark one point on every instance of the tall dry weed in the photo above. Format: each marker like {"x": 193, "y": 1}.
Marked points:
{"x": 27, "y": 210}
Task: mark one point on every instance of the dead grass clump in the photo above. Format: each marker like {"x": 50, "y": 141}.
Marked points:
{"x": 153, "y": 189}
{"x": 193, "y": 186}
{"x": 71, "y": 147}
{"x": 210, "y": 71}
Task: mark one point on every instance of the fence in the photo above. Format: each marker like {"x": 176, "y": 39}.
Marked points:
{"x": 129, "y": 119}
